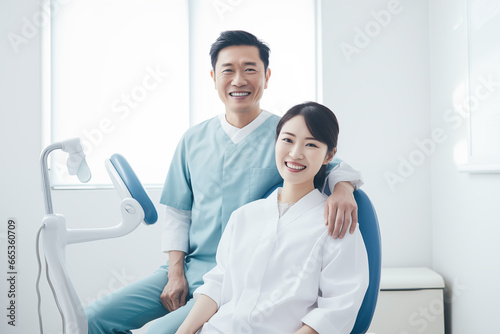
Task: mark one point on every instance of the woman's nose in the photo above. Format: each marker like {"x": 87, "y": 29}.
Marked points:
{"x": 296, "y": 152}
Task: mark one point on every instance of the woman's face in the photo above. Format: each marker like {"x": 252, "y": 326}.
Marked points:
{"x": 299, "y": 156}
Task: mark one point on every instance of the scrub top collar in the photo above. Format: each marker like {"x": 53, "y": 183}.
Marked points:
{"x": 237, "y": 135}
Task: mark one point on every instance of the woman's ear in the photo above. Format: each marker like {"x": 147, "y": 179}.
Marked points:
{"x": 329, "y": 156}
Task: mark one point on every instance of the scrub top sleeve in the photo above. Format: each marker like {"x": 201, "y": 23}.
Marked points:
{"x": 343, "y": 283}
{"x": 177, "y": 191}
{"x": 175, "y": 232}
{"x": 339, "y": 171}
{"x": 212, "y": 281}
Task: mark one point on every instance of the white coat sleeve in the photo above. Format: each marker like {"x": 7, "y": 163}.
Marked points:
{"x": 175, "y": 232}
{"x": 213, "y": 280}
{"x": 343, "y": 284}
{"x": 344, "y": 172}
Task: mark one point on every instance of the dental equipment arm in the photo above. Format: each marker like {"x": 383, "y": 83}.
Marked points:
{"x": 76, "y": 165}
{"x": 136, "y": 207}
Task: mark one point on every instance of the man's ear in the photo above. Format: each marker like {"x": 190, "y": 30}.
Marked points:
{"x": 329, "y": 156}
{"x": 212, "y": 74}
{"x": 268, "y": 75}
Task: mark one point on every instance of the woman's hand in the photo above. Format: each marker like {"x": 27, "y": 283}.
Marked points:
{"x": 203, "y": 309}
{"x": 306, "y": 330}
{"x": 341, "y": 210}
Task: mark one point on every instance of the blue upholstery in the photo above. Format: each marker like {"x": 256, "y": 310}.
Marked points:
{"x": 134, "y": 187}
{"x": 369, "y": 228}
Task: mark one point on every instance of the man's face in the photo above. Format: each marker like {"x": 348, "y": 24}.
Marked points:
{"x": 240, "y": 78}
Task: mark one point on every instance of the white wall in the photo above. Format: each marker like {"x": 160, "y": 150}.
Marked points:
{"x": 19, "y": 147}
{"x": 465, "y": 207}
{"x": 380, "y": 92}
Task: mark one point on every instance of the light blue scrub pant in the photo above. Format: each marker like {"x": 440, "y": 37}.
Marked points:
{"x": 135, "y": 305}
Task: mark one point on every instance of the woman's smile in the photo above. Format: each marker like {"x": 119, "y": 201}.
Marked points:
{"x": 294, "y": 167}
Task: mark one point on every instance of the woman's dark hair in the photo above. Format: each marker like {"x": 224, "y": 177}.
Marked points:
{"x": 321, "y": 123}
{"x": 239, "y": 37}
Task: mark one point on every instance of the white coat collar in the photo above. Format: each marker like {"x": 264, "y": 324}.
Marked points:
{"x": 306, "y": 203}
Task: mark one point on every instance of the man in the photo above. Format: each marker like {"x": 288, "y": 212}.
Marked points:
{"x": 218, "y": 166}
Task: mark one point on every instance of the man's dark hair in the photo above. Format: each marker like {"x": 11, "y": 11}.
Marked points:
{"x": 239, "y": 37}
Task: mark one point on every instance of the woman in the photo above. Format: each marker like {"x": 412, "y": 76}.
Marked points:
{"x": 277, "y": 269}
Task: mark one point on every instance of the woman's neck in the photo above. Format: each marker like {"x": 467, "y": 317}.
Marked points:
{"x": 292, "y": 193}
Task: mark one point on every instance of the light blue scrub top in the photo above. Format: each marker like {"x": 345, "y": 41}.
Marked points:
{"x": 211, "y": 176}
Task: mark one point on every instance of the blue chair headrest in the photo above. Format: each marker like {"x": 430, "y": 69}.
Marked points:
{"x": 134, "y": 187}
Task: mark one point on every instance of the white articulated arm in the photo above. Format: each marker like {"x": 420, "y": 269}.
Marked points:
{"x": 132, "y": 216}
{"x": 136, "y": 207}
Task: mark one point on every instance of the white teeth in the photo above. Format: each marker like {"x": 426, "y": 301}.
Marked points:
{"x": 239, "y": 94}
{"x": 292, "y": 166}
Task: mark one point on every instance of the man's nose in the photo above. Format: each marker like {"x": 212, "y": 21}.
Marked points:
{"x": 239, "y": 79}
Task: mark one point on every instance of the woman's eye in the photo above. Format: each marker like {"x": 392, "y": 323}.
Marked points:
{"x": 287, "y": 140}
{"x": 311, "y": 145}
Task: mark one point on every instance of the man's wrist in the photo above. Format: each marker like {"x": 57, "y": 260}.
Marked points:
{"x": 176, "y": 264}
{"x": 345, "y": 185}
{"x": 175, "y": 273}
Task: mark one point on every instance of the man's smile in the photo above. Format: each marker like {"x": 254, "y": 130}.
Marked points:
{"x": 239, "y": 94}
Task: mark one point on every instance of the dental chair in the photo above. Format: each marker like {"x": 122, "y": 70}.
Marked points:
{"x": 369, "y": 228}
{"x": 370, "y": 231}
{"x": 136, "y": 207}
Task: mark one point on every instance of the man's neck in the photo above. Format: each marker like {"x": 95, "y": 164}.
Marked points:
{"x": 243, "y": 118}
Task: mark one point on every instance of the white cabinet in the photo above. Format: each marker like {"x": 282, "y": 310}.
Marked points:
{"x": 410, "y": 302}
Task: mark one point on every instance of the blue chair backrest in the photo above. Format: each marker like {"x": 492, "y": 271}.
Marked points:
{"x": 369, "y": 228}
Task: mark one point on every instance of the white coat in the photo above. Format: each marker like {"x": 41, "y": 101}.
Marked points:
{"x": 274, "y": 274}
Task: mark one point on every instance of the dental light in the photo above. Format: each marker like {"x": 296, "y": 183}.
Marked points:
{"x": 136, "y": 207}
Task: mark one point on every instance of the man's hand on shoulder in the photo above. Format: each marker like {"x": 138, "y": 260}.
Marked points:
{"x": 341, "y": 210}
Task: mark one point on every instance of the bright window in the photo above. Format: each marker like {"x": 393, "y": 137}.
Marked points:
{"x": 131, "y": 76}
